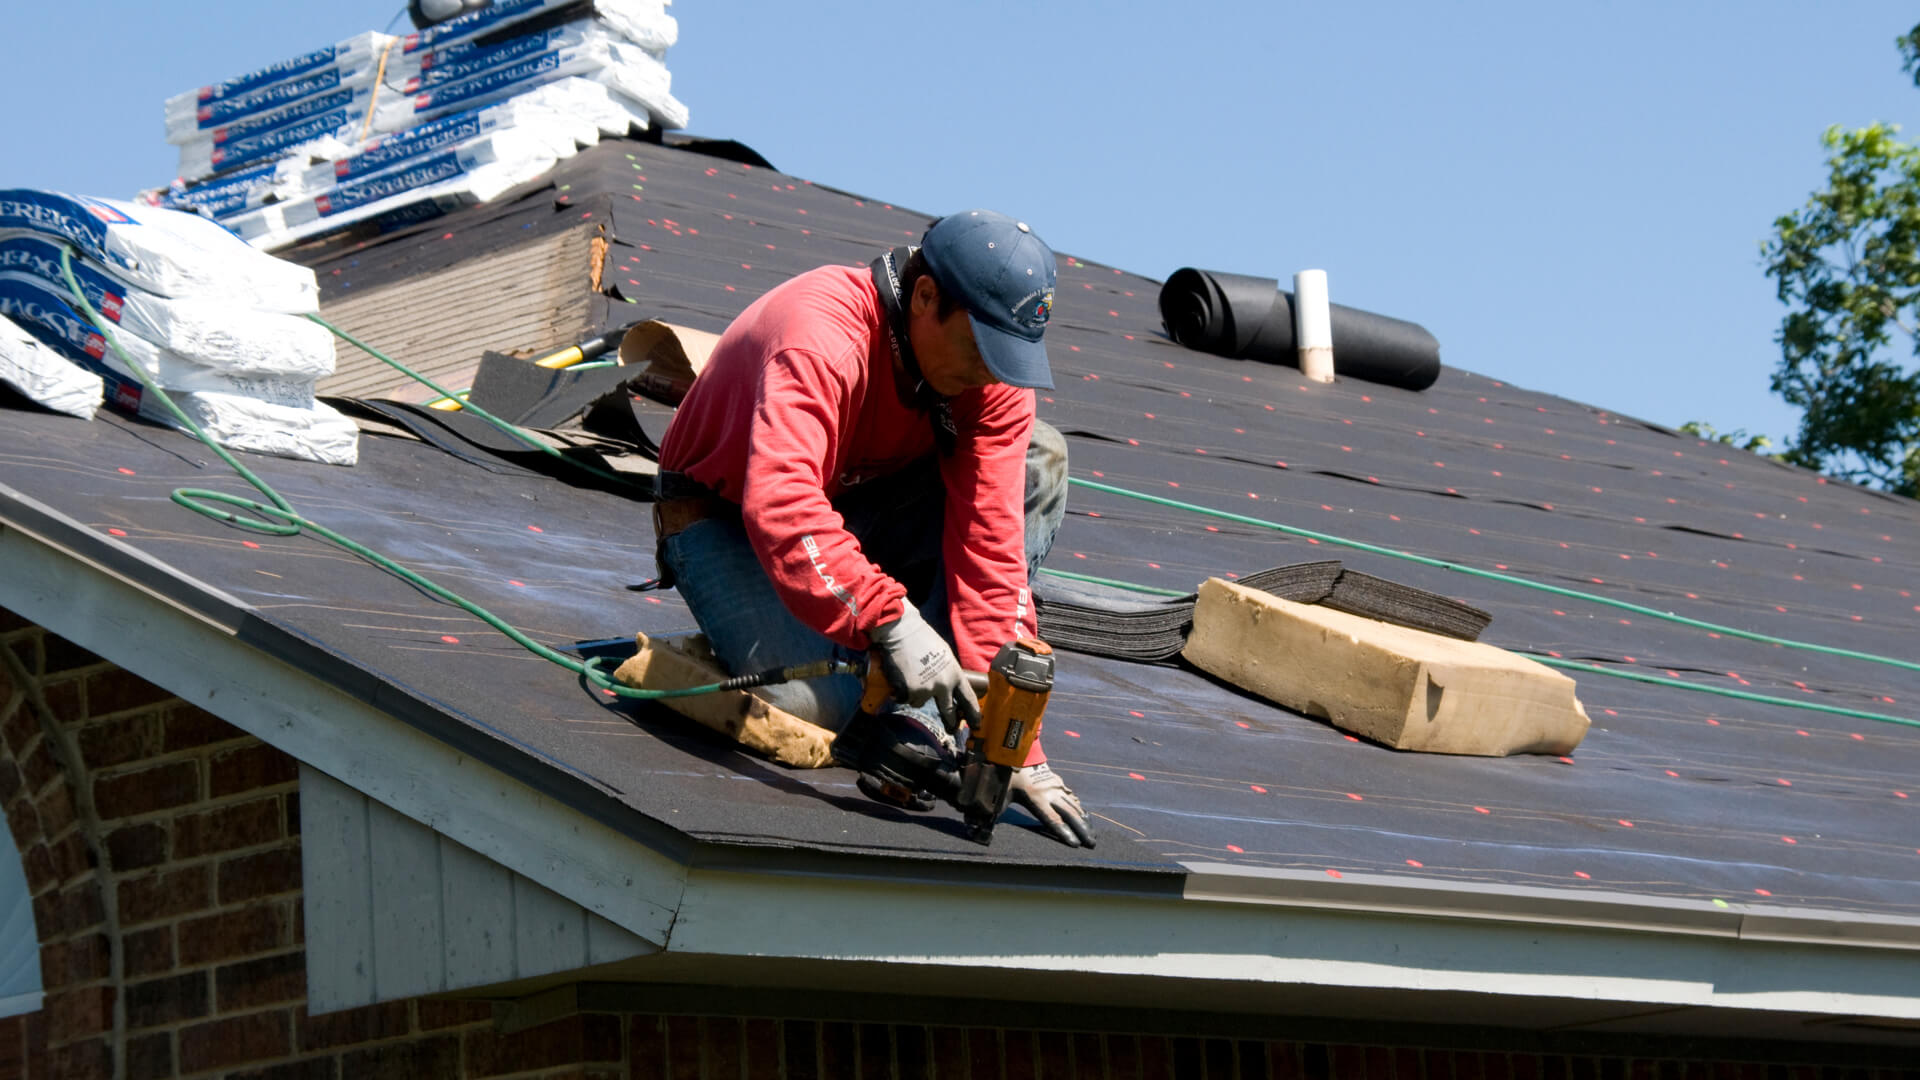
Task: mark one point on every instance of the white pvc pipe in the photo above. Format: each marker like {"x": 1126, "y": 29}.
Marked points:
{"x": 1313, "y": 325}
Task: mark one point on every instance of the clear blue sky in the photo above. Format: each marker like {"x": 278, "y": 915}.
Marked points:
{"x": 1570, "y": 196}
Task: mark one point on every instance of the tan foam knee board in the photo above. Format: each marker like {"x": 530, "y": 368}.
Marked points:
{"x": 1406, "y": 688}
{"x": 737, "y": 714}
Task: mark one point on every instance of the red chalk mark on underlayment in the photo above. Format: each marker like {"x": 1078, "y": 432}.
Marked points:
{"x": 1481, "y": 810}
{"x": 1416, "y": 864}
{"x": 1583, "y": 875}
{"x": 1258, "y": 788}
{"x": 535, "y": 528}
{"x": 449, "y": 639}
{"x": 1236, "y": 849}
{"x": 1334, "y": 873}
{"x": 1135, "y": 776}
{"x": 117, "y": 532}
{"x": 1071, "y": 734}
{"x": 127, "y": 472}
{"x": 249, "y": 543}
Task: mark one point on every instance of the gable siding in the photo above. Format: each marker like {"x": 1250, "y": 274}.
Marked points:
{"x": 410, "y": 912}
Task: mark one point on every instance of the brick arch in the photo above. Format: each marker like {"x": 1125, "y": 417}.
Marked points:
{"x": 161, "y": 845}
{"x": 42, "y": 787}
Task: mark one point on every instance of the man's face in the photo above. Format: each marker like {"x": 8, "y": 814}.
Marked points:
{"x": 949, "y": 359}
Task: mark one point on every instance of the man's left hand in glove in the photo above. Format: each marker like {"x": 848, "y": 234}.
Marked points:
{"x": 1041, "y": 792}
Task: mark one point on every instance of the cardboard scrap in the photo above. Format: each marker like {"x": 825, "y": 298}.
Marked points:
{"x": 672, "y": 357}
{"x": 737, "y": 714}
{"x": 1406, "y": 688}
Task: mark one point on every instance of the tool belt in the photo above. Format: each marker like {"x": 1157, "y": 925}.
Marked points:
{"x": 681, "y": 501}
{"x": 671, "y": 517}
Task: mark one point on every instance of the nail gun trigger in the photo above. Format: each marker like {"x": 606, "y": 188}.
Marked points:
{"x": 891, "y": 793}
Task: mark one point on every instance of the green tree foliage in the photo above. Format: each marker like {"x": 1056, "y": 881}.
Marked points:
{"x": 1738, "y": 437}
{"x": 1847, "y": 265}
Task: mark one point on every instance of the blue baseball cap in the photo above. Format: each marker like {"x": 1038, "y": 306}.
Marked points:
{"x": 1003, "y": 274}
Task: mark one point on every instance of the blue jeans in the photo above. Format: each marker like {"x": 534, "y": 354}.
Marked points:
{"x": 897, "y": 520}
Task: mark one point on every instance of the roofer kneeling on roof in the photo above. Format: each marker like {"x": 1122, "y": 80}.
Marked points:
{"x": 858, "y": 468}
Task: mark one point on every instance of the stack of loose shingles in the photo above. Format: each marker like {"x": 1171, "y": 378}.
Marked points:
{"x": 404, "y": 129}
{"x": 1104, "y": 620}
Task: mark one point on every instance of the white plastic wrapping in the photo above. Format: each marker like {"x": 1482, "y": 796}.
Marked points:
{"x": 588, "y": 110}
{"x": 643, "y": 22}
{"x": 516, "y": 121}
{"x": 644, "y": 79}
{"x": 46, "y": 315}
{"x": 313, "y": 144}
{"x": 164, "y": 251}
{"x": 354, "y": 50}
{"x": 285, "y": 103}
{"x": 240, "y": 190}
{"x": 45, "y": 376}
{"x": 245, "y": 414}
{"x": 315, "y": 433}
{"x": 400, "y": 193}
{"x": 199, "y": 330}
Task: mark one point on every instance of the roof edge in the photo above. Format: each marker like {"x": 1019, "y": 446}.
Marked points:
{"x": 1231, "y": 884}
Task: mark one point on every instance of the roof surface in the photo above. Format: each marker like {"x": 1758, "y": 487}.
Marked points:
{"x": 1673, "y": 794}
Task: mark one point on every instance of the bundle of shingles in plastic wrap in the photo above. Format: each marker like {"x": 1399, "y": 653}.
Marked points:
{"x": 398, "y": 130}
{"x": 197, "y": 313}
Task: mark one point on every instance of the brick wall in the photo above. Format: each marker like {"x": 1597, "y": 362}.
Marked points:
{"x": 162, "y": 848}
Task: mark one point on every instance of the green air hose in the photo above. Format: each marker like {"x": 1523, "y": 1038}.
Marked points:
{"x": 1325, "y": 538}
{"x": 1552, "y": 661}
{"x": 1765, "y": 699}
{"x": 1571, "y": 665}
{"x": 278, "y": 518}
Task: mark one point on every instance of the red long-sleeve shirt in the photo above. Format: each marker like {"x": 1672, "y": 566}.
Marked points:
{"x": 797, "y": 404}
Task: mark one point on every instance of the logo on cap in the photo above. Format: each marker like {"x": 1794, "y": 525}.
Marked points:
{"x": 1034, "y": 309}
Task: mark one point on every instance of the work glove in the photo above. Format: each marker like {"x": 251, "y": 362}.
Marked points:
{"x": 921, "y": 667}
{"x": 1041, "y": 792}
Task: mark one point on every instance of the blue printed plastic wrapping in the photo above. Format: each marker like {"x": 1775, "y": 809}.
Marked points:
{"x": 44, "y": 376}
{"x": 166, "y": 252}
{"x": 386, "y": 129}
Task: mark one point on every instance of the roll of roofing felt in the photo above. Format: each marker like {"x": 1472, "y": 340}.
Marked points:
{"x": 1249, "y": 318}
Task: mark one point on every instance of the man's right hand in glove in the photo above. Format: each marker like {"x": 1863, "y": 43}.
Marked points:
{"x": 921, "y": 667}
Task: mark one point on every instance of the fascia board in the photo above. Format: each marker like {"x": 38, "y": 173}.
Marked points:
{"x": 1230, "y": 884}
{"x": 205, "y": 661}
{"x": 1006, "y": 931}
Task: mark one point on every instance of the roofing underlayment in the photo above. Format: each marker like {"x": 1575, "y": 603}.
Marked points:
{"x": 1675, "y": 795}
